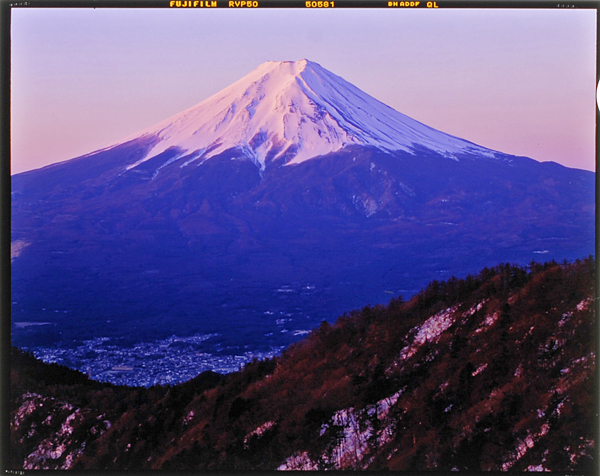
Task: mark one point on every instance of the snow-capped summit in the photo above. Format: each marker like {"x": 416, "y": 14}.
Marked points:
{"x": 296, "y": 108}
{"x": 211, "y": 234}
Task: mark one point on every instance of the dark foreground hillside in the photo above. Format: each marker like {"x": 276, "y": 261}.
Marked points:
{"x": 492, "y": 372}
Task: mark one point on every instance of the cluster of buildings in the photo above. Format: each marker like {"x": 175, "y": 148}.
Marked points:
{"x": 147, "y": 363}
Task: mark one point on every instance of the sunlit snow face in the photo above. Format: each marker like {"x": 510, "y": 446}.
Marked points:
{"x": 298, "y": 109}
{"x": 481, "y": 74}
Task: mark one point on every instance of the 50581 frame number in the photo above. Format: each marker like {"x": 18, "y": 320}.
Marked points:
{"x": 319, "y": 4}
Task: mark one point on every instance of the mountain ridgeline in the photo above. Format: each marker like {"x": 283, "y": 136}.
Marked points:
{"x": 289, "y": 195}
{"x": 495, "y": 371}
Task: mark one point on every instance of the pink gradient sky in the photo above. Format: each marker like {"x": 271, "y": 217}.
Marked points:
{"x": 519, "y": 81}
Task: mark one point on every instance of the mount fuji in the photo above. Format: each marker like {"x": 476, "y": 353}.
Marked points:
{"x": 294, "y": 111}
{"x": 286, "y": 199}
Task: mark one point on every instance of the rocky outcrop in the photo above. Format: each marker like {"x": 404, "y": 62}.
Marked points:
{"x": 52, "y": 443}
{"x": 491, "y": 373}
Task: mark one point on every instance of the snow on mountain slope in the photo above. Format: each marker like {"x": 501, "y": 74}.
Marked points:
{"x": 295, "y": 108}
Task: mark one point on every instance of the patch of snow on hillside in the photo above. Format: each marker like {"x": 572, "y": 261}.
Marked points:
{"x": 383, "y": 406}
{"x": 524, "y": 445}
{"x": 434, "y": 326}
{"x": 299, "y": 462}
{"x": 475, "y": 308}
{"x": 52, "y": 447}
{"x": 429, "y": 331}
{"x": 188, "y": 417}
{"x": 258, "y": 432}
{"x": 489, "y": 320}
{"x": 60, "y": 442}
{"x": 353, "y": 442}
{"x": 538, "y": 467}
{"x": 585, "y": 304}
{"x": 479, "y": 369}
{"x": 193, "y": 157}
{"x": 168, "y": 162}
{"x": 350, "y": 449}
{"x": 31, "y": 401}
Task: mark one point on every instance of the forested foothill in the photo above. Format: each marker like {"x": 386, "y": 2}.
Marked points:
{"x": 494, "y": 371}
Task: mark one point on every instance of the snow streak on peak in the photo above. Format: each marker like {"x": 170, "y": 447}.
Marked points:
{"x": 299, "y": 109}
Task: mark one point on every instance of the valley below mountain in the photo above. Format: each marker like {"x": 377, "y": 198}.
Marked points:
{"x": 492, "y": 372}
{"x": 234, "y": 228}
